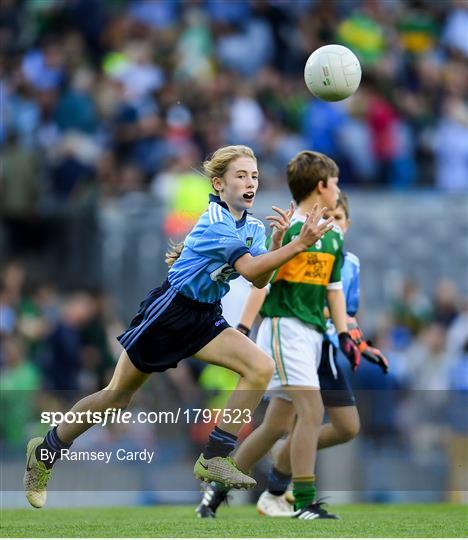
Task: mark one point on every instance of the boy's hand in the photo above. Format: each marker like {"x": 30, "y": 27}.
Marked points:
{"x": 280, "y": 224}
{"x": 371, "y": 354}
{"x": 349, "y": 349}
{"x": 313, "y": 230}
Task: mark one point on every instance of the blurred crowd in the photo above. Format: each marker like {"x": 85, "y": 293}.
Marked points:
{"x": 116, "y": 104}
{"x": 105, "y": 98}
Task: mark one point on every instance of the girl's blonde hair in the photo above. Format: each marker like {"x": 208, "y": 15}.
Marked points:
{"x": 214, "y": 167}
{"x": 173, "y": 253}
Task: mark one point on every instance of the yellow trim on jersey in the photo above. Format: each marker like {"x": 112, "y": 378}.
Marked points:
{"x": 308, "y": 267}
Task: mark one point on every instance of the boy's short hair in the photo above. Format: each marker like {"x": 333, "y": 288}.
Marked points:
{"x": 306, "y": 169}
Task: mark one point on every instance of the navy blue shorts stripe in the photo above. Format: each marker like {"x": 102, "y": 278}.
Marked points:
{"x": 148, "y": 312}
{"x": 158, "y": 307}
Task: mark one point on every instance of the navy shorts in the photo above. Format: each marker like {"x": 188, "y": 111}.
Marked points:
{"x": 334, "y": 385}
{"x": 169, "y": 327}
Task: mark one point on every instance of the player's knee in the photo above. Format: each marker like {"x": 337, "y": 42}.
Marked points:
{"x": 261, "y": 371}
{"x": 274, "y": 430}
{"x": 311, "y": 412}
{"x": 350, "y": 429}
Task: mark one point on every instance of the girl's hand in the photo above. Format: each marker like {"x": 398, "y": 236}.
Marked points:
{"x": 280, "y": 224}
{"x": 314, "y": 228}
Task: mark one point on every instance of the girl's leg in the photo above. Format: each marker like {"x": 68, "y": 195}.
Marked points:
{"x": 234, "y": 351}
{"x": 42, "y": 453}
{"x": 117, "y": 394}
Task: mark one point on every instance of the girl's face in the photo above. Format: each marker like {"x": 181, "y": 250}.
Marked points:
{"x": 339, "y": 218}
{"x": 329, "y": 193}
{"x": 239, "y": 185}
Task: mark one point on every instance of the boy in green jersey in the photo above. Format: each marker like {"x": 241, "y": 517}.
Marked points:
{"x": 292, "y": 332}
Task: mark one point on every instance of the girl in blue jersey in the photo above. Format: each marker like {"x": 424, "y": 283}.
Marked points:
{"x": 183, "y": 318}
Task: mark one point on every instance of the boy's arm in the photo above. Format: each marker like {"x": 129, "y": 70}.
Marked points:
{"x": 252, "y": 306}
{"x": 337, "y": 306}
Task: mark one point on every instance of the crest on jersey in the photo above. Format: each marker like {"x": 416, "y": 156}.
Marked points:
{"x": 335, "y": 244}
{"x": 318, "y": 244}
{"x": 249, "y": 241}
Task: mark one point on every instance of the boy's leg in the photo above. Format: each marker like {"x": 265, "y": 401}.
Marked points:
{"x": 118, "y": 394}
{"x": 42, "y": 453}
{"x": 344, "y": 425}
{"x": 309, "y": 409}
{"x": 276, "y": 423}
{"x": 233, "y": 350}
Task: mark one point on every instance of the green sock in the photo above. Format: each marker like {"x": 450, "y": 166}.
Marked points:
{"x": 304, "y": 491}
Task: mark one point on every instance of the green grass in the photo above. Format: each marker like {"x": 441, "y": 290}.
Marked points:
{"x": 359, "y": 520}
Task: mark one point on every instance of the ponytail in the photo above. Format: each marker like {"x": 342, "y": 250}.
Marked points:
{"x": 173, "y": 253}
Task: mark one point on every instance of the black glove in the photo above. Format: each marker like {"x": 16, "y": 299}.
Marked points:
{"x": 371, "y": 354}
{"x": 243, "y": 329}
{"x": 375, "y": 356}
{"x": 349, "y": 349}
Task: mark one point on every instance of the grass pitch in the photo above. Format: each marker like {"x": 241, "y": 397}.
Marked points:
{"x": 359, "y": 520}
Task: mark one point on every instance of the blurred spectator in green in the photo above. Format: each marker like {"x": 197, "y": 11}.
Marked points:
{"x": 411, "y": 308}
{"x": 18, "y": 382}
{"x": 418, "y": 28}
{"x": 363, "y": 33}
{"x": 37, "y": 312}
{"x": 195, "y": 48}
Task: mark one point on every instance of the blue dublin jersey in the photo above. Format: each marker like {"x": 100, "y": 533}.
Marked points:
{"x": 351, "y": 290}
{"x": 206, "y": 264}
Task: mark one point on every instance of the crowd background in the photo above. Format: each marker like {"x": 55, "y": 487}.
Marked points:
{"x": 108, "y": 109}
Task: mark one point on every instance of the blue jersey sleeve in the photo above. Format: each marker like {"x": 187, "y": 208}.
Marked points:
{"x": 221, "y": 242}
{"x": 353, "y": 293}
{"x": 259, "y": 241}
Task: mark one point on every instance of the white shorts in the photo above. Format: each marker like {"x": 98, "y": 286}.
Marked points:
{"x": 296, "y": 348}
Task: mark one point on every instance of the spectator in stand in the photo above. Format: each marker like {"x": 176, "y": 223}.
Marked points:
{"x": 20, "y": 190}
{"x": 411, "y": 308}
{"x": 445, "y": 304}
{"x": 20, "y": 379}
{"x": 61, "y": 362}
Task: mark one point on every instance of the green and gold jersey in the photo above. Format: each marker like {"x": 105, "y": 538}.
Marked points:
{"x": 298, "y": 288}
